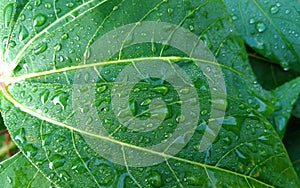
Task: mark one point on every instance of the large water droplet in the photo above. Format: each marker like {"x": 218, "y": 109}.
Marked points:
{"x": 61, "y": 99}
{"x": 43, "y": 47}
{"x": 23, "y": 33}
{"x": 161, "y": 90}
{"x": 154, "y": 179}
{"x": 39, "y": 20}
{"x": 8, "y": 11}
{"x": 56, "y": 161}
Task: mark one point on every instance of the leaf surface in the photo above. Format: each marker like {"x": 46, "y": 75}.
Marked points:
{"x": 271, "y": 28}
{"x": 44, "y": 91}
{"x": 19, "y": 172}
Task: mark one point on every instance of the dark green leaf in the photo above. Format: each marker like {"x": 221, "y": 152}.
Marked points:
{"x": 47, "y": 109}
{"x": 19, "y": 172}
{"x": 292, "y": 142}
{"x": 270, "y": 27}
{"x": 286, "y": 96}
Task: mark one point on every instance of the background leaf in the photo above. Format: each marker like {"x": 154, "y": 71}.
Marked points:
{"x": 271, "y": 28}
{"x": 19, "y": 172}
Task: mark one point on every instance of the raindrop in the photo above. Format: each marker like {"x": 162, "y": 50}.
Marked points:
{"x": 154, "y": 179}
{"x": 56, "y": 161}
{"x": 101, "y": 89}
{"x": 146, "y": 102}
{"x": 161, "y": 90}
{"x": 23, "y": 33}
{"x": 191, "y": 179}
{"x": 274, "y": 10}
{"x": 65, "y": 36}
{"x": 261, "y": 27}
{"x": 8, "y": 11}
{"x": 39, "y": 20}
{"x": 170, "y": 11}
{"x": 60, "y": 99}
{"x": 48, "y": 5}
{"x": 44, "y": 96}
{"x": 43, "y": 47}
{"x": 70, "y": 5}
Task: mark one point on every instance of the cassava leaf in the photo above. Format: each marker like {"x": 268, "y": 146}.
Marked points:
{"x": 19, "y": 172}
{"x": 286, "y": 95}
{"x": 271, "y": 28}
{"x": 46, "y": 106}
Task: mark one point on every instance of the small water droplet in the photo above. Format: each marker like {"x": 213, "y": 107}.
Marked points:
{"x": 39, "y": 20}
{"x": 261, "y": 27}
{"x": 170, "y": 11}
{"x": 274, "y": 10}
{"x": 191, "y": 179}
{"x": 154, "y": 179}
{"x": 146, "y": 102}
{"x": 161, "y": 90}
{"x": 65, "y": 36}
{"x": 70, "y": 5}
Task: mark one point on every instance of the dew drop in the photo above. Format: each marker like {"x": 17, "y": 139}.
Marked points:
{"x": 191, "y": 179}
{"x": 8, "y": 11}
{"x": 56, "y": 161}
{"x": 154, "y": 179}
{"x": 161, "y": 90}
{"x": 39, "y": 20}
{"x": 274, "y": 10}
{"x": 261, "y": 27}
{"x": 65, "y": 36}
{"x": 42, "y": 48}
{"x": 60, "y": 99}
{"x": 23, "y": 33}
{"x": 101, "y": 89}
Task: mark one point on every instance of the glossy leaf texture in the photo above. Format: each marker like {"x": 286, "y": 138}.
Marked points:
{"x": 17, "y": 171}
{"x": 270, "y": 27}
{"x": 45, "y": 80}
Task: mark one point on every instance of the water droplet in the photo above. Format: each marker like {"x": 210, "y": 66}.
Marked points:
{"x": 274, "y": 10}
{"x": 8, "y": 11}
{"x": 43, "y": 47}
{"x": 261, "y": 27}
{"x": 65, "y": 36}
{"x": 206, "y": 40}
{"x": 170, "y": 11}
{"x": 48, "y": 5}
{"x": 234, "y": 17}
{"x": 285, "y": 65}
{"x": 44, "y": 96}
{"x": 39, "y": 20}
{"x": 180, "y": 118}
{"x": 23, "y": 33}
{"x": 115, "y": 8}
{"x": 70, "y": 5}
{"x": 161, "y": 90}
{"x": 57, "y": 47}
{"x": 191, "y": 179}
{"x": 101, "y": 89}
{"x": 9, "y": 180}
{"x": 60, "y": 99}
{"x": 146, "y": 102}
{"x": 56, "y": 161}
{"x": 154, "y": 179}
{"x": 31, "y": 150}
{"x": 287, "y": 11}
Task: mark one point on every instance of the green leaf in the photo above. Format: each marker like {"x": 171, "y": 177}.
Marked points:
{"x": 269, "y": 75}
{"x": 286, "y": 95}
{"x": 271, "y": 28}
{"x": 71, "y": 55}
{"x": 292, "y": 142}
{"x": 19, "y": 172}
